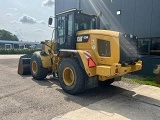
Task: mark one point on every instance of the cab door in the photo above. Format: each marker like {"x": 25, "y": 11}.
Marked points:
{"x": 65, "y": 31}
{"x": 60, "y": 32}
{"x": 70, "y": 32}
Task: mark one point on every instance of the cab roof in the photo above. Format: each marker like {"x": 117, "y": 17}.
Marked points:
{"x": 99, "y": 32}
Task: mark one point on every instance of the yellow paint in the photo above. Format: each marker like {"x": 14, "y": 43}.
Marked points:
{"x": 106, "y": 67}
{"x": 46, "y": 60}
{"x": 68, "y": 76}
{"x": 95, "y": 35}
{"x": 90, "y": 71}
{"x": 103, "y": 70}
{"x": 34, "y": 67}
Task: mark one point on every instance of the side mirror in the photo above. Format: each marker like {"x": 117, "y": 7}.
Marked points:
{"x": 50, "y": 21}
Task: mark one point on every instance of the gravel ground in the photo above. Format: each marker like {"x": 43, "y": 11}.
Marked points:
{"x": 23, "y": 98}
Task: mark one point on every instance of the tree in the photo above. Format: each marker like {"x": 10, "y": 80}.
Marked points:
{"x": 6, "y": 35}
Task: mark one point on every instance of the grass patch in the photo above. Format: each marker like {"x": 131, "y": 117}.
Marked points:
{"x": 147, "y": 81}
{"x": 17, "y": 51}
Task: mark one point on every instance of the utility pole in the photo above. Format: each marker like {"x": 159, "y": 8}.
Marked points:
{"x": 78, "y": 4}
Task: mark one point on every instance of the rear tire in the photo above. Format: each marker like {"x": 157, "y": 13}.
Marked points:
{"x": 71, "y": 76}
{"x": 38, "y": 72}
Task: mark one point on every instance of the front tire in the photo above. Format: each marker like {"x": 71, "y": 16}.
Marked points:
{"x": 38, "y": 72}
{"x": 71, "y": 76}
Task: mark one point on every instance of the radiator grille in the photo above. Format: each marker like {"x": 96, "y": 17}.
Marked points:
{"x": 128, "y": 49}
{"x": 104, "y": 48}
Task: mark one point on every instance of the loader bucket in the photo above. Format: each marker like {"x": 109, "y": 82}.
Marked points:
{"x": 24, "y": 65}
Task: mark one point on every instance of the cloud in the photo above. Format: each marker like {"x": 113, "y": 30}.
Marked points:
{"x": 48, "y": 3}
{"x": 14, "y": 21}
{"x": 9, "y": 15}
{"x": 27, "y": 19}
{"x": 39, "y": 30}
{"x": 42, "y": 22}
{"x": 13, "y": 9}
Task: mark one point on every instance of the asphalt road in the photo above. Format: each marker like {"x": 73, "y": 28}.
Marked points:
{"x": 23, "y": 98}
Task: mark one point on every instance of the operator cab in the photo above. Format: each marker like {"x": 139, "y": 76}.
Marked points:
{"x": 68, "y": 23}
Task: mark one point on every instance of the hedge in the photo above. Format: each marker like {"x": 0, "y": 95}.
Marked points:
{"x": 17, "y": 51}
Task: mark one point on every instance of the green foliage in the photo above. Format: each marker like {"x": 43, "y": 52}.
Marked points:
{"x": 147, "y": 81}
{"x": 6, "y": 35}
{"x": 148, "y": 78}
{"x": 17, "y": 51}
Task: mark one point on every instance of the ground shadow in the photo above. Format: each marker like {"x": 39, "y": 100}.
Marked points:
{"x": 116, "y": 100}
{"x": 25, "y": 76}
{"x": 49, "y": 81}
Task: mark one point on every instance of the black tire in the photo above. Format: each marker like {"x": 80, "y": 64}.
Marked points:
{"x": 38, "y": 72}
{"x": 106, "y": 83}
{"x": 71, "y": 76}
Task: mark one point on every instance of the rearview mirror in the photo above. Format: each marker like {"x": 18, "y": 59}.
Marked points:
{"x": 50, "y": 21}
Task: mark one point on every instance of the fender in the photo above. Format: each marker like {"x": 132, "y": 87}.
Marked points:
{"x": 79, "y": 54}
{"x": 46, "y": 60}
{"x": 69, "y": 53}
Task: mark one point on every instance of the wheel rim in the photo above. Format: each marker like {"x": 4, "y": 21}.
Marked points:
{"x": 34, "y": 67}
{"x": 68, "y": 76}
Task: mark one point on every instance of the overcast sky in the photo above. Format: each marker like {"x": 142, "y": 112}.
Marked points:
{"x": 28, "y": 19}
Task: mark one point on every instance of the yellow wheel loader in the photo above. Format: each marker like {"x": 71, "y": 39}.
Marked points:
{"x": 83, "y": 56}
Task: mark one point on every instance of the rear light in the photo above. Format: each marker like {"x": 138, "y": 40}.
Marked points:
{"x": 91, "y": 63}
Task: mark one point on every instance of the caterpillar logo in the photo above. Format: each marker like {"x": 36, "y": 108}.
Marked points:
{"x": 82, "y": 38}
{"x": 79, "y": 39}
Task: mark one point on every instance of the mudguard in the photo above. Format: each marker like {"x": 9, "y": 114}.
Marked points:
{"x": 80, "y": 55}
